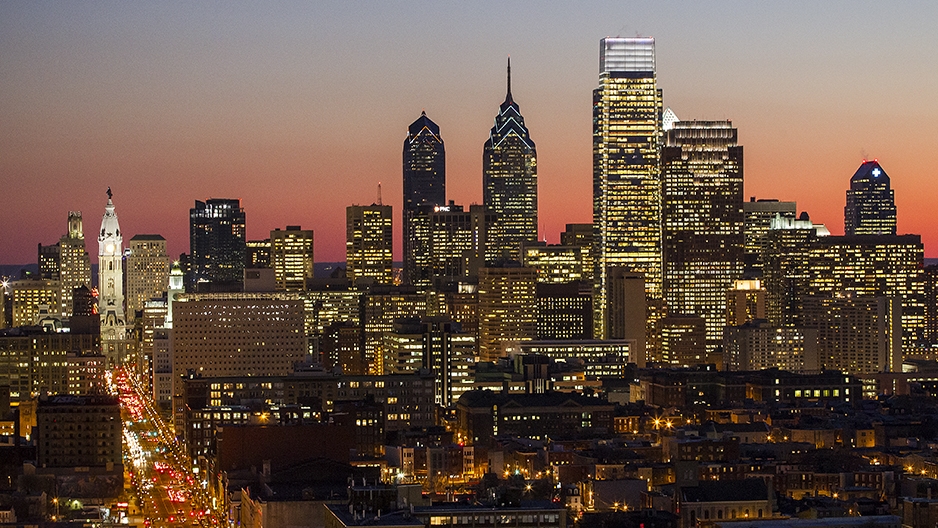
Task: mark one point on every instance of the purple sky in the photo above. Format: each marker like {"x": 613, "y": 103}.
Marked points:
{"x": 300, "y": 109}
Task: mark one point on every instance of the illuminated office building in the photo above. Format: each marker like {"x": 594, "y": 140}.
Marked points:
{"x": 601, "y": 359}
{"x": 111, "y": 286}
{"x": 257, "y": 253}
{"x": 66, "y": 262}
{"x": 507, "y": 308}
{"x": 875, "y": 266}
{"x": 758, "y": 345}
{"x": 236, "y": 334}
{"x": 49, "y": 260}
{"x": 74, "y": 264}
{"x": 626, "y": 171}
{"x": 509, "y": 182}
{"x": 683, "y": 340}
{"x": 30, "y": 297}
{"x": 564, "y": 310}
{"x": 871, "y": 205}
{"x": 436, "y": 344}
{"x": 554, "y": 263}
{"x": 458, "y": 241}
{"x": 424, "y": 187}
{"x": 931, "y": 305}
{"x": 368, "y": 243}
{"x": 381, "y": 306}
{"x": 856, "y": 334}
{"x": 745, "y": 302}
{"x": 581, "y": 235}
{"x": 291, "y": 257}
{"x": 216, "y": 244}
{"x": 147, "y": 271}
{"x": 785, "y": 270}
{"x": 757, "y": 218}
{"x": 702, "y": 220}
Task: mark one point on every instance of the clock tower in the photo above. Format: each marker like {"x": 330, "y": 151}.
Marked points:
{"x": 111, "y": 285}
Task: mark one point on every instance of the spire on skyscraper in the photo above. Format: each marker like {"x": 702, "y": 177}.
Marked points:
{"x": 508, "y": 96}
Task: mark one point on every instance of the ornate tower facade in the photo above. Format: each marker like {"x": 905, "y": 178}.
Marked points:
{"x": 111, "y": 285}
{"x": 509, "y": 182}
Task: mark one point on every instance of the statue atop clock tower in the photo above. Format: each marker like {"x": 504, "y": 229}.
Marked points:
{"x": 111, "y": 285}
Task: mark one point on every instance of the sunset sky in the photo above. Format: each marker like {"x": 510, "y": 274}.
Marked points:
{"x": 301, "y": 109}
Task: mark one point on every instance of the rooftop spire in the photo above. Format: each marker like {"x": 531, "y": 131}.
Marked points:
{"x": 508, "y": 97}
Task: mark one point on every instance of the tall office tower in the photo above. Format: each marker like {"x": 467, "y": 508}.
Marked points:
{"x": 257, "y": 253}
{"x": 701, "y": 220}
{"x": 49, "y": 260}
{"x": 745, "y": 302}
{"x": 931, "y": 305}
{"x": 581, "y": 235}
{"x": 368, "y": 243}
{"x": 507, "y": 308}
{"x": 785, "y": 270}
{"x": 757, "y": 217}
{"x": 111, "y": 286}
{"x": 871, "y": 204}
{"x": 856, "y": 334}
{"x": 554, "y": 263}
{"x": 877, "y": 266}
{"x": 626, "y": 171}
{"x": 216, "y": 244}
{"x": 291, "y": 256}
{"x": 147, "y": 271}
{"x": 381, "y": 306}
{"x": 509, "y": 181}
{"x": 424, "y": 187}
{"x": 74, "y": 263}
{"x": 458, "y": 241}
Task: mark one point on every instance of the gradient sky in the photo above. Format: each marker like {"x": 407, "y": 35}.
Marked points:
{"x": 300, "y": 109}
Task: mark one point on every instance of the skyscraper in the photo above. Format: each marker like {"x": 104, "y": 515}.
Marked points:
{"x": 291, "y": 256}
{"x": 111, "y": 285}
{"x": 368, "y": 243}
{"x": 216, "y": 243}
{"x": 758, "y": 215}
{"x": 509, "y": 181}
{"x": 74, "y": 264}
{"x": 702, "y": 220}
{"x": 424, "y": 187}
{"x": 626, "y": 175}
{"x": 147, "y": 271}
{"x": 871, "y": 205}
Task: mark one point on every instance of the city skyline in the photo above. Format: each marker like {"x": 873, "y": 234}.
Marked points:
{"x": 171, "y": 104}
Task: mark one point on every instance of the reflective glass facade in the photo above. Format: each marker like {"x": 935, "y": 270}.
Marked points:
{"x": 702, "y": 220}
{"x": 626, "y": 171}
{"x": 871, "y": 205}
{"x": 424, "y": 160}
{"x": 509, "y": 182}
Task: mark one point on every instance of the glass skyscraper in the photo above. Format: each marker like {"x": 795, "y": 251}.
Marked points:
{"x": 509, "y": 182}
{"x": 216, "y": 243}
{"x": 702, "y": 220}
{"x": 424, "y": 188}
{"x": 627, "y": 125}
{"x": 871, "y": 204}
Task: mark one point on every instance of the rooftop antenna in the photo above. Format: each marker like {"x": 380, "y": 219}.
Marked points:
{"x": 379, "y": 194}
